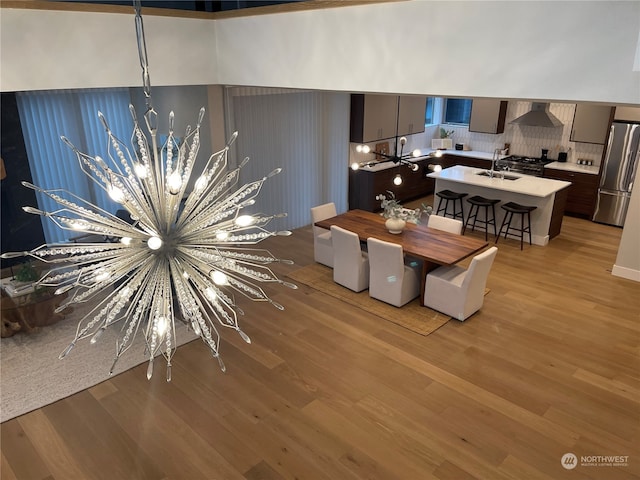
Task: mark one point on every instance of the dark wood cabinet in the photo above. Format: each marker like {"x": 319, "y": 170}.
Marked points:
{"x": 364, "y": 185}
{"x": 583, "y": 192}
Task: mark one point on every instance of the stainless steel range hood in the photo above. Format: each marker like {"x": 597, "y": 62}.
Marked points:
{"x": 538, "y": 116}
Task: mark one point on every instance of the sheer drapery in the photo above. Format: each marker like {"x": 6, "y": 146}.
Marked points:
{"x": 45, "y": 116}
{"x": 305, "y": 133}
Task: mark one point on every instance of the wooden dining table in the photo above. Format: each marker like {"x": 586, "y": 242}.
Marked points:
{"x": 433, "y": 247}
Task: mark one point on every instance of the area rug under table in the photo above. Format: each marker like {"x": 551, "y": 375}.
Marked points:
{"x": 412, "y": 316}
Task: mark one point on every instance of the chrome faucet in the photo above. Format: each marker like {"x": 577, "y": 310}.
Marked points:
{"x": 495, "y": 157}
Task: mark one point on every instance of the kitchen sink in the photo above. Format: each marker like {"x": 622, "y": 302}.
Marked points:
{"x": 498, "y": 175}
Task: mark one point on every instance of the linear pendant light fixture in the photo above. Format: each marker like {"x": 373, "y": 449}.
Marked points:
{"x": 399, "y": 158}
{"x": 184, "y": 256}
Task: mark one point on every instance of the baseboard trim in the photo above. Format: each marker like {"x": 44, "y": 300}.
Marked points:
{"x": 625, "y": 272}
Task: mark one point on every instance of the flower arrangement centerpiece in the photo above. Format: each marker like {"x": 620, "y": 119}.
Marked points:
{"x": 397, "y": 216}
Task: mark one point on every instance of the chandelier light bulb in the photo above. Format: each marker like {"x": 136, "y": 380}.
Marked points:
{"x": 359, "y": 148}
{"x": 101, "y": 275}
{"x": 437, "y": 168}
{"x": 355, "y": 166}
{"x": 416, "y": 153}
{"x": 366, "y": 148}
{"x": 222, "y": 235}
{"x": 140, "y": 170}
{"x": 438, "y": 153}
{"x": 201, "y": 183}
{"x": 210, "y": 293}
{"x": 126, "y": 240}
{"x": 161, "y": 325}
{"x": 414, "y": 167}
{"x": 174, "y": 182}
{"x": 78, "y": 225}
{"x": 154, "y": 243}
{"x": 397, "y": 180}
{"x": 245, "y": 220}
{"x": 116, "y": 194}
{"x": 219, "y": 278}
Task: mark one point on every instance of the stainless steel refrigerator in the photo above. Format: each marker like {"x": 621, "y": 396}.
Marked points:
{"x": 618, "y": 172}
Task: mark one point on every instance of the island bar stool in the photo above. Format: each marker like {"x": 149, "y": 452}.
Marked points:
{"x": 522, "y": 210}
{"x": 476, "y": 202}
{"x": 450, "y": 196}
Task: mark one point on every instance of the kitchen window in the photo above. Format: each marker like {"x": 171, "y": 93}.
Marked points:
{"x": 457, "y": 111}
{"x": 429, "y": 117}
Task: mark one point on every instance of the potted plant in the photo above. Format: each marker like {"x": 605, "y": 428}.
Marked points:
{"x": 397, "y": 216}
{"x": 445, "y": 141}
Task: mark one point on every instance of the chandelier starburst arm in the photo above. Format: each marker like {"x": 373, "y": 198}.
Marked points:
{"x": 212, "y": 299}
{"x": 255, "y": 255}
{"x": 131, "y": 195}
{"x": 216, "y": 191}
{"x": 222, "y": 232}
{"x": 217, "y": 201}
{"x": 105, "y": 267}
{"x": 43, "y": 252}
{"x": 159, "y": 329}
{"x": 86, "y": 292}
{"x": 92, "y": 219}
{"x": 111, "y": 305}
{"x": 243, "y": 196}
{"x": 211, "y": 182}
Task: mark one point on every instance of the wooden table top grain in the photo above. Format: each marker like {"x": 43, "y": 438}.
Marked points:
{"x": 429, "y": 244}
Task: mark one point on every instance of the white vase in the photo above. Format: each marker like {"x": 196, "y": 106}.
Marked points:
{"x": 395, "y": 225}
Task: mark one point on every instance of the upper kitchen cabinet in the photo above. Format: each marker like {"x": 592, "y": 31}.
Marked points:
{"x": 411, "y": 114}
{"x": 375, "y": 117}
{"x": 487, "y": 116}
{"x": 627, "y": 114}
{"x": 591, "y": 123}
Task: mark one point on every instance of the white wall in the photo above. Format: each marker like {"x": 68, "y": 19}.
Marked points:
{"x": 545, "y": 50}
{"x": 628, "y": 260}
{"x": 41, "y": 50}
{"x": 571, "y": 51}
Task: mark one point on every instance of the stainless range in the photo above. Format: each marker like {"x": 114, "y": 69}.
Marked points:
{"x": 526, "y": 165}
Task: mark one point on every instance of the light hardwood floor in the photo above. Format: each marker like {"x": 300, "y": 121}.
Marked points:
{"x": 549, "y": 366}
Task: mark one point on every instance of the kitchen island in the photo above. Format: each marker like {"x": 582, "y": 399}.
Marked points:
{"x": 549, "y": 196}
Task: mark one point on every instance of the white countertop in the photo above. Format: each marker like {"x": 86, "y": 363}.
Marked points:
{"x": 525, "y": 184}
{"x": 574, "y": 167}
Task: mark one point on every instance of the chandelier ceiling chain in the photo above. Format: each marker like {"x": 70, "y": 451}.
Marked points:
{"x": 184, "y": 255}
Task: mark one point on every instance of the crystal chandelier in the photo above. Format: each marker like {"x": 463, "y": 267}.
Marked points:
{"x": 183, "y": 256}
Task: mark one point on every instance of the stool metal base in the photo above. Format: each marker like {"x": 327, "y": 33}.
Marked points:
{"x": 476, "y": 202}
{"x": 521, "y": 210}
{"x": 450, "y": 196}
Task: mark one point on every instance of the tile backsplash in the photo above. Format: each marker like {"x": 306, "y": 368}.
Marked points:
{"x": 524, "y": 140}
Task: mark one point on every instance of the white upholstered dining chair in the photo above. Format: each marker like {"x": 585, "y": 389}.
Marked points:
{"x": 456, "y": 291}
{"x": 447, "y": 224}
{"x": 350, "y": 263}
{"x": 322, "y": 246}
{"x": 392, "y": 278}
